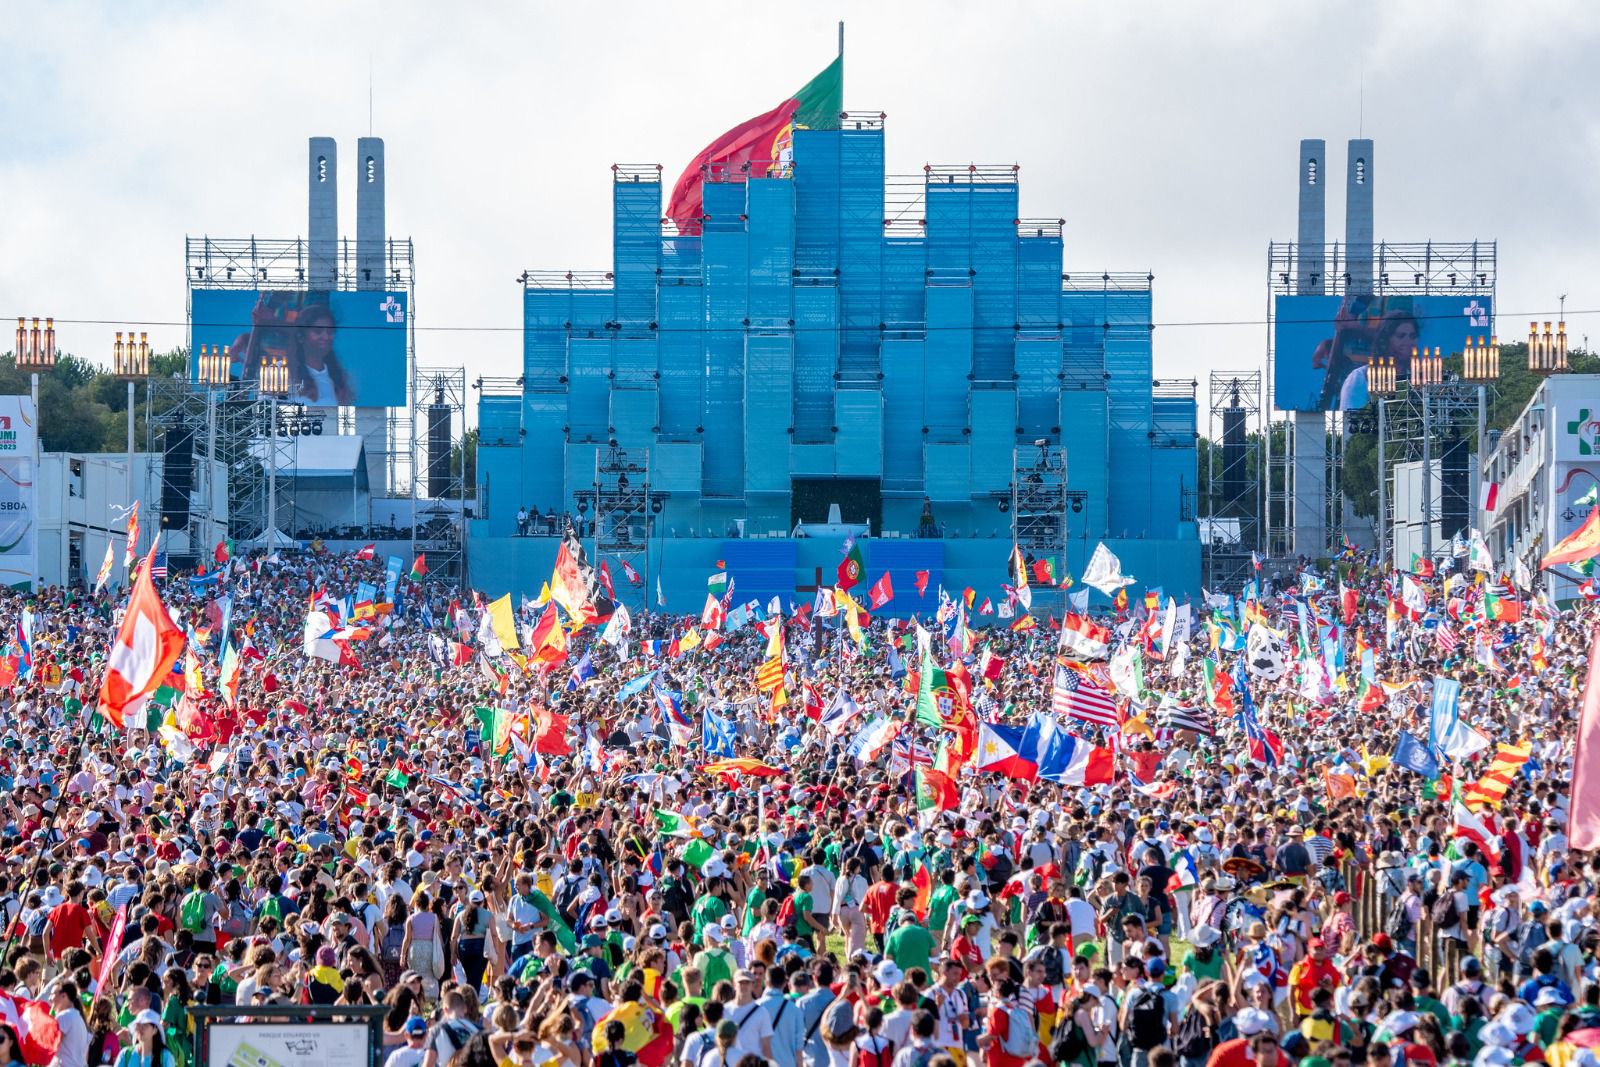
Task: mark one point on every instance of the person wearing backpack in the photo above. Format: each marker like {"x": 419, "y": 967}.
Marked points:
{"x": 920, "y": 1050}
{"x": 1056, "y": 956}
{"x": 200, "y": 911}
{"x": 1077, "y": 1039}
{"x": 1009, "y": 1038}
{"x": 1149, "y": 1015}
{"x": 871, "y": 1048}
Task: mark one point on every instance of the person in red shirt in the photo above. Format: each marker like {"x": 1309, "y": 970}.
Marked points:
{"x": 70, "y": 925}
{"x": 1257, "y": 1050}
{"x": 997, "y": 1027}
{"x": 1308, "y": 974}
{"x": 879, "y": 902}
{"x": 964, "y": 950}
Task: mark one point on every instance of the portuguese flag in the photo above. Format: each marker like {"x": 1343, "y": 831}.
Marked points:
{"x": 761, "y": 147}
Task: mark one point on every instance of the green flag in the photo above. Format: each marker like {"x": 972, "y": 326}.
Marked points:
{"x": 697, "y": 853}
{"x": 396, "y": 779}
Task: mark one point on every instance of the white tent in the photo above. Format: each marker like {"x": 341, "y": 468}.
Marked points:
{"x": 322, "y": 480}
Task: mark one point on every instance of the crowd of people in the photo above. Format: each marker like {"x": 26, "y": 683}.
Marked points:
{"x": 606, "y": 839}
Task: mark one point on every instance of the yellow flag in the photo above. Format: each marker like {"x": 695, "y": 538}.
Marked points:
{"x": 851, "y": 611}
{"x": 544, "y": 595}
{"x": 503, "y": 621}
{"x": 689, "y": 639}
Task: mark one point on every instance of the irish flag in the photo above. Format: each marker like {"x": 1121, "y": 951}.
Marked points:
{"x": 762, "y": 147}
{"x": 146, "y": 646}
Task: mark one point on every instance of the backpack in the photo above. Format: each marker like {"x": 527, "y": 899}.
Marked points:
{"x": 882, "y": 1057}
{"x": 192, "y": 912}
{"x": 1071, "y": 1045}
{"x": 1445, "y": 913}
{"x": 1147, "y": 1020}
{"x": 1398, "y": 924}
{"x": 1022, "y": 1040}
{"x": 786, "y": 914}
{"x": 1194, "y": 1039}
{"x": 1055, "y": 971}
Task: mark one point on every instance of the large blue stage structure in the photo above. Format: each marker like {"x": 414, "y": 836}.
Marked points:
{"x": 916, "y": 364}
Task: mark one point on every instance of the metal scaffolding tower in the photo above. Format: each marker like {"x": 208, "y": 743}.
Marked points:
{"x": 230, "y": 429}
{"x": 1418, "y": 425}
{"x": 438, "y": 463}
{"x": 624, "y": 509}
{"x": 1231, "y": 508}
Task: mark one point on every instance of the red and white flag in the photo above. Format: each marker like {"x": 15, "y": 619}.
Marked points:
{"x": 632, "y": 575}
{"x": 146, "y": 646}
{"x": 881, "y": 593}
{"x": 367, "y": 552}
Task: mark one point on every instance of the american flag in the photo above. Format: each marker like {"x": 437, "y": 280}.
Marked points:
{"x": 158, "y": 566}
{"x": 1447, "y": 639}
{"x": 1076, "y": 695}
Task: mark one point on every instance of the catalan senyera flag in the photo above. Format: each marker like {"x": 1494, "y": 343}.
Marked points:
{"x": 762, "y": 147}
{"x": 142, "y": 654}
{"x": 1490, "y": 790}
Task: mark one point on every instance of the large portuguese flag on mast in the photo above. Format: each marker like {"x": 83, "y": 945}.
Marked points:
{"x": 764, "y": 142}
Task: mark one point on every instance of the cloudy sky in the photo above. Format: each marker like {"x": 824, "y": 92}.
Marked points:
{"x": 1165, "y": 134}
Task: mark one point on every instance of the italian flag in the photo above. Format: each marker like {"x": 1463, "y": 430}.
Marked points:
{"x": 146, "y": 646}
{"x": 762, "y": 147}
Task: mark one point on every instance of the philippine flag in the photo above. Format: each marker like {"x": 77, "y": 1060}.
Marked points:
{"x": 1000, "y": 751}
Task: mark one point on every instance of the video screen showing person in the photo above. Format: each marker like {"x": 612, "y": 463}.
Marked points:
{"x": 1324, "y": 345}
{"x": 341, "y": 349}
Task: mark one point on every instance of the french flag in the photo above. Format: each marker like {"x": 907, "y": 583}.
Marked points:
{"x": 1070, "y": 760}
{"x": 839, "y": 714}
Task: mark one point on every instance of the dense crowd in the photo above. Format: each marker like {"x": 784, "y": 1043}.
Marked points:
{"x": 633, "y": 839}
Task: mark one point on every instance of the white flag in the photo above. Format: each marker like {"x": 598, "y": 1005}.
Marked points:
{"x": 1478, "y": 558}
{"x": 1105, "y": 571}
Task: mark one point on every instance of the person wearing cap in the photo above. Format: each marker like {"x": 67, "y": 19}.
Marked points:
{"x": 1316, "y": 970}
{"x": 410, "y": 1054}
{"x": 149, "y": 1043}
{"x": 910, "y": 944}
{"x": 1256, "y": 1045}
{"x": 1470, "y": 986}
{"x": 752, "y": 1019}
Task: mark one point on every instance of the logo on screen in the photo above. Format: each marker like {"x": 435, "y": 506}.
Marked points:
{"x": 1477, "y": 315}
{"x": 392, "y": 311}
{"x": 5, "y": 422}
{"x": 1587, "y": 430}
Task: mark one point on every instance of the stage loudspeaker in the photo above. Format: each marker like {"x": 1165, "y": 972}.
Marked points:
{"x": 438, "y": 450}
{"x": 177, "y": 477}
{"x": 1454, "y": 489}
{"x": 1234, "y": 475}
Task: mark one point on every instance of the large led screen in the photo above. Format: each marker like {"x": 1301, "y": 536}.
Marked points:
{"x": 342, "y": 349}
{"x": 1323, "y": 345}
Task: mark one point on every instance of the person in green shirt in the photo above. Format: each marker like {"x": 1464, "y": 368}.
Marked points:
{"x": 1203, "y": 960}
{"x": 708, "y": 911}
{"x": 806, "y": 927}
{"x": 714, "y": 962}
{"x": 1422, "y": 996}
{"x": 939, "y": 904}
{"x": 910, "y": 945}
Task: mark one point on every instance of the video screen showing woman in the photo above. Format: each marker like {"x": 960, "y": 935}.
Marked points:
{"x": 300, "y": 329}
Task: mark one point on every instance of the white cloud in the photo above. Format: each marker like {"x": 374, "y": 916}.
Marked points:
{"x": 1164, "y": 133}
